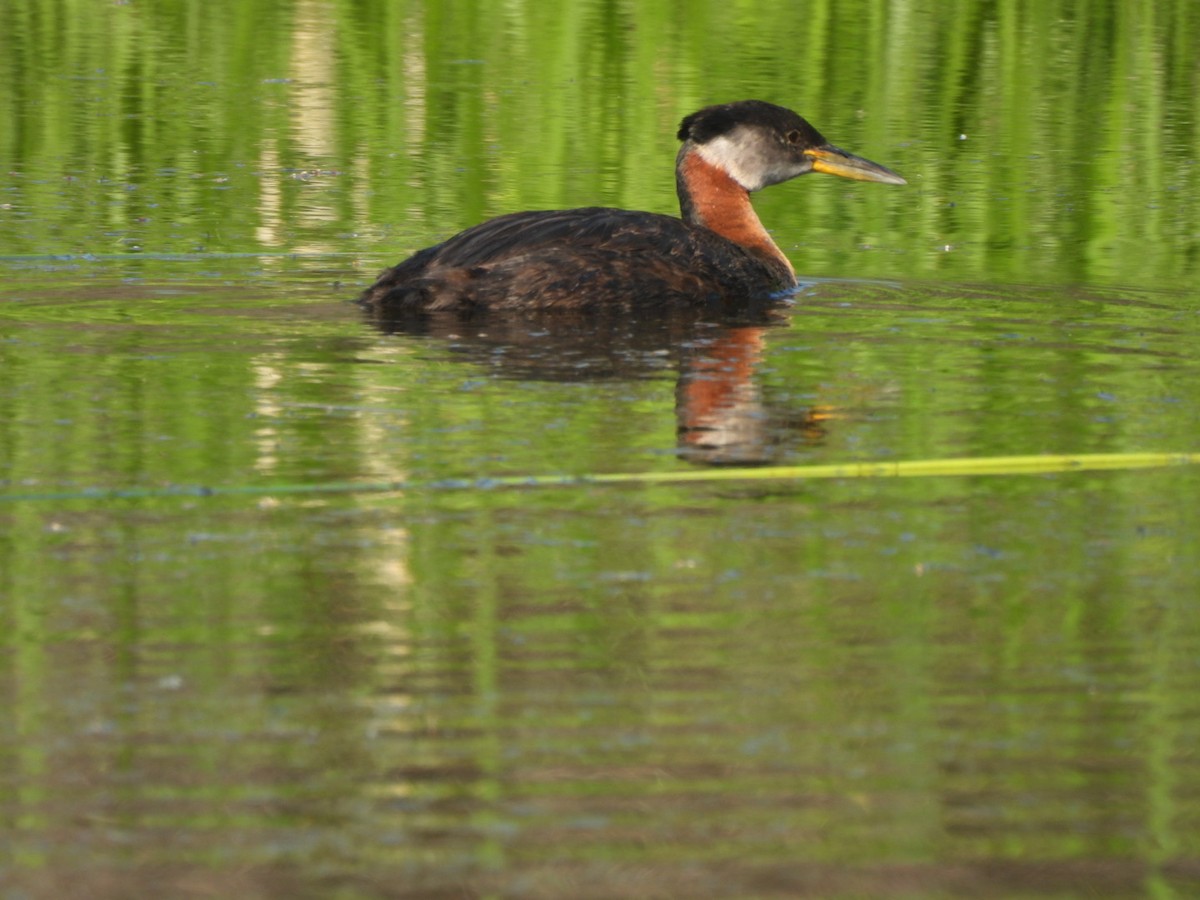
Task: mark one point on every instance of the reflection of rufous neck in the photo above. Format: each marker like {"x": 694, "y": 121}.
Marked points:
{"x": 718, "y": 409}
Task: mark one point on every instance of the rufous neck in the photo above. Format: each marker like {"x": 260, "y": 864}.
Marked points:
{"x": 709, "y": 196}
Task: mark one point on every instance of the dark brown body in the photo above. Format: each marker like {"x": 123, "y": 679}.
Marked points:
{"x": 576, "y": 259}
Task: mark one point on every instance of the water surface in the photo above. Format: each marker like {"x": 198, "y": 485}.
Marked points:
{"x": 236, "y": 663}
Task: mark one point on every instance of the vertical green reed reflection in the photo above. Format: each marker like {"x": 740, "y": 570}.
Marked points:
{"x": 22, "y": 621}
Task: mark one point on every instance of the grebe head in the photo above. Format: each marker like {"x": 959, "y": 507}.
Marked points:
{"x": 759, "y": 144}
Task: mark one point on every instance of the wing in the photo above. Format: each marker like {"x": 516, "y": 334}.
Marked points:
{"x": 587, "y": 228}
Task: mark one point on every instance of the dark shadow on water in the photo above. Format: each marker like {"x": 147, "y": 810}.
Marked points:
{"x": 721, "y": 415}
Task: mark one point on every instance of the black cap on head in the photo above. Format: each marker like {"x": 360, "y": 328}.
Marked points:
{"x": 713, "y": 121}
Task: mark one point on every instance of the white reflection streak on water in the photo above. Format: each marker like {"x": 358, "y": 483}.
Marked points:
{"x": 314, "y": 98}
{"x": 270, "y": 200}
{"x": 379, "y": 443}
{"x": 267, "y": 376}
{"x": 414, "y": 91}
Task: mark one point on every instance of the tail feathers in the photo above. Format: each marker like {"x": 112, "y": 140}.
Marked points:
{"x": 396, "y": 290}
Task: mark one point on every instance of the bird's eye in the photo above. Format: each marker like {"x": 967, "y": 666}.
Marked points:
{"x": 793, "y": 137}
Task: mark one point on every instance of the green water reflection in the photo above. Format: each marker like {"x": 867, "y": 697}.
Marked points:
{"x": 1049, "y": 141}
{"x": 927, "y": 688}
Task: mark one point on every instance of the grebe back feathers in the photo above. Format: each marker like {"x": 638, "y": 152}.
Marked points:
{"x": 717, "y": 252}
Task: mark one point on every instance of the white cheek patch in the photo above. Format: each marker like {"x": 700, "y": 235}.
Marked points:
{"x": 738, "y": 153}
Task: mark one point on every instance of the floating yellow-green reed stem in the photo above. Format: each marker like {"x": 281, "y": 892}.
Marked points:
{"x": 987, "y": 465}
{"x": 922, "y": 468}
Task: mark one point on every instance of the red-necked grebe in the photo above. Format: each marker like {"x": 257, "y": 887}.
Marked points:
{"x": 717, "y": 253}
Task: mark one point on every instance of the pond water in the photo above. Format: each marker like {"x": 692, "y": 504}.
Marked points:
{"x": 294, "y": 603}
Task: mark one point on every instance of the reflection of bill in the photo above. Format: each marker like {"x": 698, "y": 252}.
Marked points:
{"x": 720, "y": 414}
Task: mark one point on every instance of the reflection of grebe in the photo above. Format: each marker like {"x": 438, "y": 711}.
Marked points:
{"x": 718, "y": 252}
{"x": 721, "y": 417}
